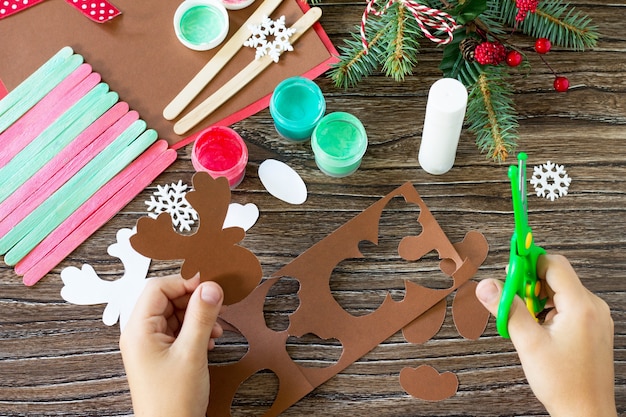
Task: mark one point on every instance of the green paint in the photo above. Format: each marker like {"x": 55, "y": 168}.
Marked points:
{"x": 297, "y": 105}
{"x": 201, "y": 24}
{"x": 339, "y": 142}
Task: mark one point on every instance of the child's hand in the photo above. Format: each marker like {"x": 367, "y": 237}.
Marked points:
{"x": 164, "y": 346}
{"x": 568, "y": 360}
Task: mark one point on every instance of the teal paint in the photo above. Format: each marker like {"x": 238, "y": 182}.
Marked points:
{"x": 297, "y": 105}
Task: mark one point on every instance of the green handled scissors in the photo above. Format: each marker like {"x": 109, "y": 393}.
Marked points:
{"x": 521, "y": 276}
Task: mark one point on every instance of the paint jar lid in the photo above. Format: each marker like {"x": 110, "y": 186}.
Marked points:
{"x": 236, "y": 4}
{"x": 201, "y": 24}
{"x": 339, "y": 142}
{"x": 221, "y": 152}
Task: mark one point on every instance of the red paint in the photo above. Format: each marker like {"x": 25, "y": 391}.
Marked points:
{"x": 221, "y": 152}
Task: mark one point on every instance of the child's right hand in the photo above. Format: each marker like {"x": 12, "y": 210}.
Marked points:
{"x": 568, "y": 360}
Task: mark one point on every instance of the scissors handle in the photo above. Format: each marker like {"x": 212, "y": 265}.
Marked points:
{"x": 521, "y": 278}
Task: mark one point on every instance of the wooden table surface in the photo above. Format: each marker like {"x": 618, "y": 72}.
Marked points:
{"x": 60, "y": 359}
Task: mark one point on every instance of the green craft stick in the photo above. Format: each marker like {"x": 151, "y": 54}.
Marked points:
{"x": 34, "y": 79}
{"x": 76, "y": 190}
{"x": 30, "y": 97}
{"x": 56, "y": 137}
{"x": 96, "y": 179}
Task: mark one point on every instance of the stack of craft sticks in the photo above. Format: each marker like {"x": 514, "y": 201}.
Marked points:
{"x": 72, "y": 157}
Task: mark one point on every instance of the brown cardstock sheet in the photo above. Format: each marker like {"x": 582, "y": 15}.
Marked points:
{"x": 215, "y": 254}
{"x": 318, "y": 312}
{"x": 139, "y": 56}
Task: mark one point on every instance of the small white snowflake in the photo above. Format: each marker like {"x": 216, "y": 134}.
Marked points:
{"x": 170, "y": 198}
{"x": 268, "y": 28}
{"x": 550, "y": 180}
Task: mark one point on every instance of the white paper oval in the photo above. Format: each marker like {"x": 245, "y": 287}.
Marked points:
{"x": 281, "y": 181}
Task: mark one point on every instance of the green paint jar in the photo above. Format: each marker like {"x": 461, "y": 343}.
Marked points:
{"x": 339, "y": 142}
{"x": 201, "y": 24}
{"x": 297, "y": 105}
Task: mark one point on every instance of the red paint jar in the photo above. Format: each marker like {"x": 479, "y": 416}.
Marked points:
{"x": 221, "y": 152}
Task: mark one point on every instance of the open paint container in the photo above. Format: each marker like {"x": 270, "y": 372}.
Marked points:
{"x": 221, "y": 152}
{"x": 339, "y": 142}
{"x": 201, "y": 24}
{"x": 297, "y": 105}
{"x": 236, "y": 4}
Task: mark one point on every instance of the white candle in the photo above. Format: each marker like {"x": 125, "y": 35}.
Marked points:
{"x": 445, "y": 112}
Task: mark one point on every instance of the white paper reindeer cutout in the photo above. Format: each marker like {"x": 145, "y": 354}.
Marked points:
{"x": 85, "y": 287}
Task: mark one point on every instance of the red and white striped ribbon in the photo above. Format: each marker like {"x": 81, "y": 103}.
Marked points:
{"x": 427, "y": 18}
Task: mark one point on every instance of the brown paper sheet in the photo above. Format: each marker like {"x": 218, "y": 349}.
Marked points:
{"x": 140, "y": 57}
{"x": 320, "y": 314}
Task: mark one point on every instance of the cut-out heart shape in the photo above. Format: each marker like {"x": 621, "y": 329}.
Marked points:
{"x": 426, "y": 383}
{"x": 241, "y": 216}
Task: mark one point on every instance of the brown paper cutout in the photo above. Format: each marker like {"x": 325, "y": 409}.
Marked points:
{"x": 423, "y": 328}
{"x": 470, "y": 316}
{"x": 139, "y": 56}
{"x": 426, "y": 383}
{"x": 212, "y": 251}
{"x": 320, "y": 314}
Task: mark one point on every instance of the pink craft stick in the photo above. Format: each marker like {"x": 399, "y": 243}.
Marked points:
{"x": 46, "y": 111}
{"x": 103, "y": 205}
{"x": 56, "y": 173}
{"x": 3, "y": 90}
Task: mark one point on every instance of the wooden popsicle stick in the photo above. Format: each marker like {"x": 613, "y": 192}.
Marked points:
{"x": 89, "y": 174}
{"x": 219, "y": 60}
{"x": 64, "y": 130}
{"x": 80, "y": 195}
{"x": 53, "y": 105}
{"x": 31, "y": 97}
{"x": 35, "y": 79}
{"x": 67, "y": 163}
{"x": 240, "y": 80}
{"x": 105, "y": 204}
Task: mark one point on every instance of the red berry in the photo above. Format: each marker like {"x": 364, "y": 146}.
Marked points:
{"x": 542, "y": 46}
{"x": 561, "y": 84}
{"x": 513, "y": 58}
{"x": 490, "y": 53}
{"x": 525, "y": 6}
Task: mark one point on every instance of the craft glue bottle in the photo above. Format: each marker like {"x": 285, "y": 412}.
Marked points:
{"x": 445, "y": 112}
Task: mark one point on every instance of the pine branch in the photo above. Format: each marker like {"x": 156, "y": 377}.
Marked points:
{"x": 402, "y": 43}
{"x": 491, "y": 116}
{"x": 354, "y": 62}
{"x": 557, "y": 21}
{"x": 453, "y": 65}
{"x": 392, "y": 44}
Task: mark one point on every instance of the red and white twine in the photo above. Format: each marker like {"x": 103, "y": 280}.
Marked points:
{"x": 427, "y": 18}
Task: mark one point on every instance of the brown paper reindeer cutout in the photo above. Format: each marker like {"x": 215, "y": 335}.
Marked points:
{"x": 320, "y": 314}
{"x": 212, "y": 251}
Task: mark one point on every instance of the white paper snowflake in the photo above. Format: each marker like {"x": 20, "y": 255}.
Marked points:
{"x": 264, "y": 31}
{"x": 170, "y": 198}
{"x": 550, "y": 180}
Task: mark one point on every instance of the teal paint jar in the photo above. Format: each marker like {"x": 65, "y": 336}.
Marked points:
{"x": 201, "y": 24}
{"x": 297, "y": 105}
{"x": 339, "y": 142}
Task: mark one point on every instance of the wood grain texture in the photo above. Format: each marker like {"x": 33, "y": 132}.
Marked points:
{"x": 59, "y": 359}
